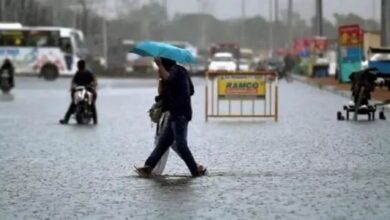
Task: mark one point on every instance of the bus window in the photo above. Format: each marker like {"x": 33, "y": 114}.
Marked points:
{"x": 29, "y": 38}
{"x": 66, "y": 45}
{"x": 12, "y": 38}
{"x": 43, "y": 38}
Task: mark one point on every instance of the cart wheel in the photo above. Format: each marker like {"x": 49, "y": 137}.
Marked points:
{"x": 358, "y": 102}
{"x": 382, "y": 116}
{"x": 340, "y": 116}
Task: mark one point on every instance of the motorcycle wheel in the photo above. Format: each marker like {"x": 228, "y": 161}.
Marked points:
{"x": 5, "y": 87}
{"x": 82, "y": 119}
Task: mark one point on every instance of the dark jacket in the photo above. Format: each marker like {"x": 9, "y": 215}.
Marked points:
{"x": 179, "y": 89}
{"x": 85, "y": 78}
{"x": 163, "y": 98}
{"x": 7, "y": 65}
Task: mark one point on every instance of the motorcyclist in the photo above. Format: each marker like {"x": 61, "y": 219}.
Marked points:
{"x": 83, "y": 77}
{"x": 7, "y": 66}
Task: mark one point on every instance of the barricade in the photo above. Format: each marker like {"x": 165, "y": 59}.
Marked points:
{"x": 241, "y": 95}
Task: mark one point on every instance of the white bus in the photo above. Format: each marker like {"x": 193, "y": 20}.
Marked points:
{"x": 44, "y": 51}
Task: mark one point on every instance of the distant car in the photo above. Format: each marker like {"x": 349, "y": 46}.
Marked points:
{"x": 271, "y": 64}
{"x": 245, "y": 65}
{"x": 261, "y": 65}
{"x": 144, "y": 64}
{"x": 223, "y": 61}
{"x": 200, "y": 66}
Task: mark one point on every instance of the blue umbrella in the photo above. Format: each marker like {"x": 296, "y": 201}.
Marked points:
{"x": 159, "y": 49}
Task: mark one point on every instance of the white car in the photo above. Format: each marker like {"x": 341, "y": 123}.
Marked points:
{"x": 245, "y": 65}
{"x": 223, "y": 61}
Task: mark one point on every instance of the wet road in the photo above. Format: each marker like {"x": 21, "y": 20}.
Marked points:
{"x": 306, "y": 166}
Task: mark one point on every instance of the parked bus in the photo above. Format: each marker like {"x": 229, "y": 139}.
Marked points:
{"x": 44, "y": 51}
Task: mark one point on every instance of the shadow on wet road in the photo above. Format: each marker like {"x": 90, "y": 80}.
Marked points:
{"x": 7, "y": 97}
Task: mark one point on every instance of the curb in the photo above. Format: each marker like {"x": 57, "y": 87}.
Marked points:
{"x": 332, "y": 89}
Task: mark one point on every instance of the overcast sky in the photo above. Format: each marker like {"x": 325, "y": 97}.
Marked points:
{"x": 225, "y": 9}
{"x": 232, "y": 8}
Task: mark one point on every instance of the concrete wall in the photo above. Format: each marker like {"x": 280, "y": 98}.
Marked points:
{"x": 371, "y": 39}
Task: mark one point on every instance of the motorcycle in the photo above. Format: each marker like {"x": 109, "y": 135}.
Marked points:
{"x": 83, "y": 100}
{"x": 5, "y": 81}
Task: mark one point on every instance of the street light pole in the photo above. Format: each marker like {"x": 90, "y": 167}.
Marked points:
{"x": 385, "y": 23}
{"x": 85, "y": 15}
{"x": 319, "y": 29}
{"x": 202, "y": 10}
{"x": 2, "y": 10}
{"x": 271, "y": 29}
{"x": 165, "y": 5}
{"x": 289, "y": 21}
{"x": 243, "y": 18}
{"x": 276, "y": 11}
{"x": 105, "y": 43}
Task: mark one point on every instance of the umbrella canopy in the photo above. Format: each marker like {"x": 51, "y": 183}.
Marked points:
{"x": 160, "y": 49}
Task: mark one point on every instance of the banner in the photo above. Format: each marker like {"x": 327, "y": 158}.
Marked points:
{"x": 320, "y": 44}
{"x": 241, "y": 88}
{"x": 350, "y": 35}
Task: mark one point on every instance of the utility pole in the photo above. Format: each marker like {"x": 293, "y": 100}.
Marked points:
{"x": 276, "y": 11}
{"x": 104, "y": 38}
{"x": 165, "y": 5}
{"x": 243, "y": 18}
{"x": 319, "y": 28}
{"x": 271, "y": 30}
{"x": 85, "y": 15}
{"x": 289, "y": 21}
{"x": 385, "y": 23}
{"x": 202, "y": 11}
{"x": 2, "y": 10}
{"x": 15, "y": 9}
{"x": 54, "y": 13}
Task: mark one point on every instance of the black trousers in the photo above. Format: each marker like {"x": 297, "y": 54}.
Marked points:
{"x": 175, "y": 131}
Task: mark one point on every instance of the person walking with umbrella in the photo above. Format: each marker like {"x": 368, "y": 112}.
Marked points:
{"x": 162, "y": 125}
{"x": 178, "y": 92}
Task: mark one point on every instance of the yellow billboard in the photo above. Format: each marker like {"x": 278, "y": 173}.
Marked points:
{"x": 241, "y": 88}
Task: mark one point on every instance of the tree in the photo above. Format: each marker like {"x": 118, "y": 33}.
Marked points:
{"x": 351, "y": 18}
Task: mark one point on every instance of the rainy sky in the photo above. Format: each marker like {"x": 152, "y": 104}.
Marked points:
{"x": 225, "y": 9}
{"x": 231, "y": 8}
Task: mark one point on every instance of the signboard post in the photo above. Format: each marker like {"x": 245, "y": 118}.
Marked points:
{"x": 350, "y": 51}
